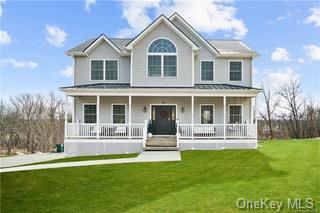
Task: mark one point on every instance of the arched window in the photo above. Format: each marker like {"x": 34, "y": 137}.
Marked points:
{"x": 162, "y": 46}
{"x": 162, "y": 58}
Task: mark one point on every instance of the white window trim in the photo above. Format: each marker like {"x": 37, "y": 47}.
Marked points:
{"x": 162, "y": 54}
{"x": 83, "y": 110}
{"x": 213, "y": 112}
{"x": 213, "y": 71}
{"x": 241, "y": 70}
{"x": 104, "y": 70}
{"x": 241, "y": 111}
{"x": 125, "y": 111}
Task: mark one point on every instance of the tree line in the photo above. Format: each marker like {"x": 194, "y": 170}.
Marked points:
{"x": 31, "y": 123}
{"x": 286, "y": 113}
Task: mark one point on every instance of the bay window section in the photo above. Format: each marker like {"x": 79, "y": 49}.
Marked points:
{"x": 206, "y": 114}
{"x": 206, "y": 70}
{"x": 235, "y": 114}
{"x": 154, "y": 65}
{"x": 119, "y": 113}
{"x": 111, "y": 69}
{"x": 96, "y": 69}
{"x": 90, "y": 113}
{"x": 169, "y": 65}
{"x": 235, "y": 72}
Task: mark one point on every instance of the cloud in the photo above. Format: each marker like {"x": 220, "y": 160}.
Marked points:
{"x": 136, "y": 14}
{"x": 5, "y": 38}
{"x": 67, "y": 71}
{"x": 301, "y": 60}
{"x": 313, "y": 52}
{"x": 88, "y": 4}
{"x": 205, "y": 16}
{"x": 56, "y": 36}
{"x": 19, "y": 64}
{"x": 280, "y": 54}
{"x": 278, "y": 78}
{"x": 314, "y": 18}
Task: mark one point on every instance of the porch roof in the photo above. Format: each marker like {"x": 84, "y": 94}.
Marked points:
{"x": 127, "y": 86}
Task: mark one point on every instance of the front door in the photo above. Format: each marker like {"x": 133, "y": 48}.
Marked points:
{"x": 164, "y": 120}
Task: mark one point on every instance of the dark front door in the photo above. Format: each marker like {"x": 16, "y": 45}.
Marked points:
{"x": 163, "y": 120}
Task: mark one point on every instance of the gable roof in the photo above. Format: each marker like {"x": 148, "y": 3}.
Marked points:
{"x": 222, "y": 48}
{"x": 193, "y": 31}
{"x": 155, "y": 23}
{"x": 85, "y": 47}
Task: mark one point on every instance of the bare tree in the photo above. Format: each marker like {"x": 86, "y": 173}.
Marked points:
{"x": 292, "y": 105}
{"x": 271, "y": 103}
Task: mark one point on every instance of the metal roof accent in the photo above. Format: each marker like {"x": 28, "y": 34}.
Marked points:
{"x": 127, "y": 86}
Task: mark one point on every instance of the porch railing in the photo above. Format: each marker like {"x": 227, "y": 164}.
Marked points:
{"x": 104, "y": 130}
{"x": 216, "y": 131}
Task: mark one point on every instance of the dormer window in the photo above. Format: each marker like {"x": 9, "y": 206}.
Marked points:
{"x": 162, "y": 59}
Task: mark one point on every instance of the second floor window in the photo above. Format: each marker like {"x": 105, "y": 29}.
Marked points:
{"x": 162, "y": 59}
{"x": 104, "y": 70}
{"x": 206, "y": 70}
{"x": 235, "y": 72}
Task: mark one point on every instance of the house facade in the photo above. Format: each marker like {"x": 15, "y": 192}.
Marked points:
{"x": 166, "y": 84}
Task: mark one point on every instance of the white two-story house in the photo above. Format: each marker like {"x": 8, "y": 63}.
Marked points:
{"x": 169, "y": 81}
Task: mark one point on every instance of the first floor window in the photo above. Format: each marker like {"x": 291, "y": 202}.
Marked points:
{"x": 111, "y": 68}
{"x": 206, "y": 70}
{"x": 90, "y": 113}
{"x": 169, "y": 65}
{"x": 119, "y": 113}
{"x": 154, "y": 66}
{"x": 235, "y": 114}
{"x": 206, "y": 114}
{"x": 235, "y": 72}
{"x": 97, "y": 70}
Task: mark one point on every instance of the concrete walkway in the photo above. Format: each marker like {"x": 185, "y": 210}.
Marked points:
{"x": 150, "y": 156}
{"x": 19, "y": 160}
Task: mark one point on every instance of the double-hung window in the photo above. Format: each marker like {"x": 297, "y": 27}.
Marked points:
{"x": 235, "y": 70}
{"x": 118, "y": 113}
{"x": 162, "y": 59}
{"x": 235, "y": 114}
{"x": 104, "y": 69}
{"x": 206, "y": 70}
{"x": 90, "y": 113}
{"x": 206, "y": 114}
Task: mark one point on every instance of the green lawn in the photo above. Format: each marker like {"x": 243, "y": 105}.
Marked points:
{"x": 84, "y": 158}
{"x": 204, "y": 181}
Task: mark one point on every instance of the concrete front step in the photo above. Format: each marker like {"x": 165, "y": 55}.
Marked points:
{"x": 161, "y": 142}
{"x": 161, "y": 148}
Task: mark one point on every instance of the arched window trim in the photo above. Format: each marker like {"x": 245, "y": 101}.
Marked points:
{"x": 162, "y": 55}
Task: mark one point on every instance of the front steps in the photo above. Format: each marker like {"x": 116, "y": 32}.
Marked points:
{"x": 163, "y": 143}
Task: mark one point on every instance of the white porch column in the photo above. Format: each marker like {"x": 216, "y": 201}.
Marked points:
{"x": 74, "y": 110}
{"x": 224, "y": 116}
{"x": 192, "y": 115}
{"x": 255, "y": 117}
{"x": 66, "y": 117}
{"x": 130, "y": 102}
{"x": 98, "y": 116}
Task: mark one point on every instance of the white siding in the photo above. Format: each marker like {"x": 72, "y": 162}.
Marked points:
{"x": 139, "y": 63}
{"x": 102, "y": 51}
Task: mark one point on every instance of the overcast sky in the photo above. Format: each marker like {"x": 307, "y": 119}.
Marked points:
{"x": 34, "y": 36}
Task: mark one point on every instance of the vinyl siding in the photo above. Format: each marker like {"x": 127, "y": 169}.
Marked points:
{"x": 139, "y": 63}
{"x": 102, "y": 51}
{"x": 221, "y": 72}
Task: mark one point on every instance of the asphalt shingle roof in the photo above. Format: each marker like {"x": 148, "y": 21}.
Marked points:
{"x": 127, "y": 86}
{"x": 231, "y": 47}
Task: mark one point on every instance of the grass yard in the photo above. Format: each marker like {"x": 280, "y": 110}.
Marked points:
{"x": 85, "y": 158}
{"x": 204, "y": 181}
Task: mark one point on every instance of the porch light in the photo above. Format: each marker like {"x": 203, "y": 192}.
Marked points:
{"x": 182, "y": 109}
{"x": 144, "y": 109}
